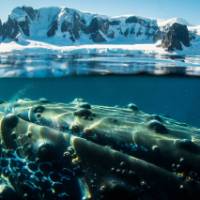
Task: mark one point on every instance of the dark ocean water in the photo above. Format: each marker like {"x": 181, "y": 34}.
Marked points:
{"x": 176, "y": 97}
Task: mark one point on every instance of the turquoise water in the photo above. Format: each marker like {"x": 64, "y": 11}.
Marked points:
{"x": 177, "y": 97}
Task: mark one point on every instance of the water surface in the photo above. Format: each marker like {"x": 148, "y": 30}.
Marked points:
{"x": 59, "y": 65}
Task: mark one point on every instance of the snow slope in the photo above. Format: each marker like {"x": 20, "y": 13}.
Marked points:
{"x": 36, "y": 47}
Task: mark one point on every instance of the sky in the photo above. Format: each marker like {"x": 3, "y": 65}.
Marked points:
{"x": 163, "y": 9}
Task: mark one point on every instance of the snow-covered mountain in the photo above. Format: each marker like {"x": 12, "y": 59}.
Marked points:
{"x": 65, "y": 26}
{"x": 71, "y": 26}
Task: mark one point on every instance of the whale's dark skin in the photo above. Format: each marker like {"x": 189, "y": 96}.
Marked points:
{"x": 57, "y": 151}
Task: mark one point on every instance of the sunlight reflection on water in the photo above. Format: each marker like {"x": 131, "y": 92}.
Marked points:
{"x": 50, "y": 65}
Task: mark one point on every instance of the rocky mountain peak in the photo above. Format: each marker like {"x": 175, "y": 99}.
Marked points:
{"x": 69, "y": 26}
{"x": 21, "y": 13}
{"x": 176, "y": 37}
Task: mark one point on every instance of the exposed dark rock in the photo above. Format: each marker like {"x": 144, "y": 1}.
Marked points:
{"x": 13, "y": 27}
{"x": 51, "y": 32}
{"x": 176, "y": 36}
{"x": 126, "y": 32}
{"x": 77, "y": 25}
{"x": 65, "y": 26}
{"x": 134, "y": 19}
{"x": 111, "y": 35}
{"x": 30, "y": 12}
{"x": 10, "y": 29}
{"x": 25, "y": 27}
{"x": 1, "y": 30}
{"x": 74, "y": 26}
{"x": 97, "y": 37}
{"x": 114, "y": 22}
{"x": 98, "y": 24}
{"x": 95, "y": 28}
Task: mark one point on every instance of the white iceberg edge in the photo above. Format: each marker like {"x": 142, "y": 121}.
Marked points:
{"x": 36, "y": 47}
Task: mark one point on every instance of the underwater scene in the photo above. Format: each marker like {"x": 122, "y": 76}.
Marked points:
{"x": 99, "y": 100}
